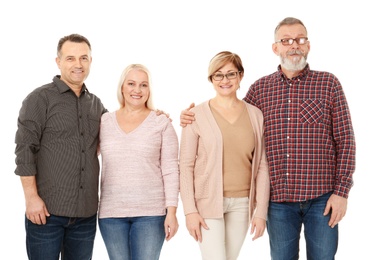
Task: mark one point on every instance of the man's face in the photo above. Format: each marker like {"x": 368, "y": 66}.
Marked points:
{"x": 292, "y": 56}
{"x": 74, "y": 61}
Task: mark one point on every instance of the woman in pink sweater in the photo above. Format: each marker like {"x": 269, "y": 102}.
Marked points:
{"x": 140, "y": 174}
{"x": 224, "y": 178}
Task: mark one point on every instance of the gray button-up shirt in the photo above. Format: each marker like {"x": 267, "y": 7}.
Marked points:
{"x": 57, "y": 141}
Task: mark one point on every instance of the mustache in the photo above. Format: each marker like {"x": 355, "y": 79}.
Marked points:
{"x": 292, "y": 52}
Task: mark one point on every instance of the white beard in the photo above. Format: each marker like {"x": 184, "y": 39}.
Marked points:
{"x": 296, "y": 64}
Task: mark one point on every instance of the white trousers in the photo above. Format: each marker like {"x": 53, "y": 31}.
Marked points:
{"x": 225, "y": 236}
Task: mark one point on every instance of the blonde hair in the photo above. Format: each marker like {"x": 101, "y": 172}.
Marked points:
{"x": 121, "y": 100}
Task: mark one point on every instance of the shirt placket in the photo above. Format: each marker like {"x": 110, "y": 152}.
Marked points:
{"x": 81, "y": 123}
{"x": 291, "y": 136}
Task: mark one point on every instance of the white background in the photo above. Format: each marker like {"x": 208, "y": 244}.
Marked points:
{"x": 176, "y": 40}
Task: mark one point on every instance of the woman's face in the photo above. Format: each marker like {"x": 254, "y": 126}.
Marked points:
{"x": 135, "y": 88}
{"x": 226, "y": 80}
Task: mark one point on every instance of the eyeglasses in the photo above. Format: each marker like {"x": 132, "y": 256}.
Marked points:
{"x": 289, "y": 41}
{"x": 220, "y": 76}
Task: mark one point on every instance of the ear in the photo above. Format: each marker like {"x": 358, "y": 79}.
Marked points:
{"x": 58, "y": 62}
{"x": 275, "y": 48}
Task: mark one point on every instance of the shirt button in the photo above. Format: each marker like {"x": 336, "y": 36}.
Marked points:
{"x": 288, "y": 119}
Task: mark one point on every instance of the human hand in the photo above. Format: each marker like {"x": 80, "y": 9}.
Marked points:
{"x": 171, "y": 223}
{"x": 187, "y": 116}
{"x": 258, "y": 227}
{"x": 36, "y": 210}
{"x": 338, "y": 207}
{"x": 193, "y": 222}
{"x": 161, "y": 112}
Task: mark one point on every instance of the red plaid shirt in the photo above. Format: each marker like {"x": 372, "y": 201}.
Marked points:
{"x": 309, "y": 137}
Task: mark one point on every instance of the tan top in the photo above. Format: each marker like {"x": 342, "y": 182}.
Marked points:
{"x": 201, "y": 155}
{"x": 238, "y": 145}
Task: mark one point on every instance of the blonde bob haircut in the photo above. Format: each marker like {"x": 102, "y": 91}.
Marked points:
{"x": 121, "y": 100}
{"x": 223, "y": 58}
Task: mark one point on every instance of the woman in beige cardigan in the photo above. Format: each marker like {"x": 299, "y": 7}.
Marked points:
{"x": 224, "y": 179}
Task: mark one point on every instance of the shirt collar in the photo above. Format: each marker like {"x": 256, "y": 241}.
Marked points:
{"x": 63, "y": 87}
{"x": 301, "y": 75}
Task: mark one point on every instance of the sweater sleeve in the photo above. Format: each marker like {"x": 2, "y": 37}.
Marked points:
{"x": 262, "y": 181}
{"x": 169, "y": 164}
{"x": 188, "y": 153}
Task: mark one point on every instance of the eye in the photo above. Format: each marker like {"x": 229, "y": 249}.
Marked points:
{"x": 144, "y": 85}
{"x": 231, "y": 74}
{"x": 302, "y": 40}
{"x": 287, "y": 41}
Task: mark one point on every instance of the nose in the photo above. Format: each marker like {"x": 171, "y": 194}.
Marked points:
{"x": 225, "y": 78}
{"x": 295, "y": 45}
{"x": 138, "y": 89}
{"x": 78, "y": 63}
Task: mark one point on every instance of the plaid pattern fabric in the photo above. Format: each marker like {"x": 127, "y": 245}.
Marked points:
{"x": 309, "y": 136}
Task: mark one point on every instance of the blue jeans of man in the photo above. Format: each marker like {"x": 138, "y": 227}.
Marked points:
{"x": 136, "y": 238}
{"x": 284, "y": 225}
{"x": 73, "y": 238}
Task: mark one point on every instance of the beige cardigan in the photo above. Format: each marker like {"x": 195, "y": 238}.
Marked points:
{"x": 201, "y": 150}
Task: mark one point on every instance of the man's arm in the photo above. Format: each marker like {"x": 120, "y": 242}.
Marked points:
{"x": 36, "y": 210}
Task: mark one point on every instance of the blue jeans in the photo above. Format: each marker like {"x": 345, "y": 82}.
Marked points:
{"x": 284, "y": 226}
{"x": 72, "y": 237}
{"x": 137, "y": 238}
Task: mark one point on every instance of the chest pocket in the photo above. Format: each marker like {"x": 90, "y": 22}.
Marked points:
{"x": 311, "y": 111}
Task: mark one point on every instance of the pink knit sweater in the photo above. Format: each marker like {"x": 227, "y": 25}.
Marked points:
{"x": 140, "y": 175}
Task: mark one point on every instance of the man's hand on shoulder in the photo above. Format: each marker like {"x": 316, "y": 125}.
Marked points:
{"x": 161, "y": 112}
{"x": 187, "y": 116}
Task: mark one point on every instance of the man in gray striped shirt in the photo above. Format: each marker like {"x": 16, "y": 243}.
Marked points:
{"x": 56, "y": 158}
